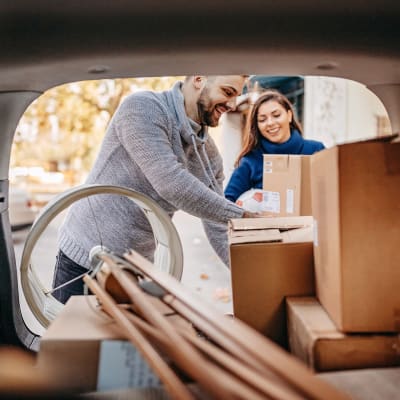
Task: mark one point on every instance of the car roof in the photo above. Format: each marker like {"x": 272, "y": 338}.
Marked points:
{"x": 47, "y": 43}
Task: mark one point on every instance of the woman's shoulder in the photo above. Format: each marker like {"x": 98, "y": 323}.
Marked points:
{"x": 313, "y": 146}
{"x": 253, "y": 156}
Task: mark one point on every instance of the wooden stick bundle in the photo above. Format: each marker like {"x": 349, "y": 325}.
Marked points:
{"x": 234, "y": 362}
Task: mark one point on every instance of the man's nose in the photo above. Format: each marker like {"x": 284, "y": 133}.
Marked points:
{"x": 231, "y": 104}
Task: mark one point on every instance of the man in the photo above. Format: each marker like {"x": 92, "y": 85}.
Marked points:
{"x": 156, "y": 144}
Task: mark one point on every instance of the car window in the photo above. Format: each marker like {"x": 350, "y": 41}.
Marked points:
{"x": 59, "y": 136}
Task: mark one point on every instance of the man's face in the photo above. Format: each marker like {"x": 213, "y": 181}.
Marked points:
{"x": 218, "y": 96}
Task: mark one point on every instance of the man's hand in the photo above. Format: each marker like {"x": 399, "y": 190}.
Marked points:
{"x": 249, "y": 214}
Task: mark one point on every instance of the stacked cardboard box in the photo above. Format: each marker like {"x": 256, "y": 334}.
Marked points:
{"x": 83, "y": 351}
{"x": 271, "y": 258}
{"x": 315, "y": 339}
{"x": 286, "y": 182}
{"x": 356, "y": 209}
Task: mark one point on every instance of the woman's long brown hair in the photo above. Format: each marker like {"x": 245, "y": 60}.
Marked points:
{"x": 252, "y": 133}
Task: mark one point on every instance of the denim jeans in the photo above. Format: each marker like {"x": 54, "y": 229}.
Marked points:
{"x": 65, "y": 270}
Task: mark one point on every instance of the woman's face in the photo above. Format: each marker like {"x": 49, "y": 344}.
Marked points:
{"x": 273, "y": 121}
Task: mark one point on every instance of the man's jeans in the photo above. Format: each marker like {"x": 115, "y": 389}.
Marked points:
{"x": 65, "y": 270}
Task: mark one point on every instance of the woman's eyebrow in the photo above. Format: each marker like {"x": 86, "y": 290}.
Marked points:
{"x": 270, "y": 112}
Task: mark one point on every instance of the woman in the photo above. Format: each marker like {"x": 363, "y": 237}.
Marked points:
{"x": 273, "y": 129}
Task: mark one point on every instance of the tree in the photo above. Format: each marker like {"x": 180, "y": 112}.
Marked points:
{"x": 64, "y": 127}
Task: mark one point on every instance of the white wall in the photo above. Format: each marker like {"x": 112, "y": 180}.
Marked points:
{"x": 229, "y": 141}
{"x": 325, "y": 109}
{"x": 339, "y": 110}
{"x": 363, "y": 109}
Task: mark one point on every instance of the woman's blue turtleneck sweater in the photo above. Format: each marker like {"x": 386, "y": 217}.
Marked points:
{"x": 249, "y": 173}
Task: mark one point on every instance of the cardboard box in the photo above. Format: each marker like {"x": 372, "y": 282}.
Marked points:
{"x": 82, "y": 350}
{"x": 314, "y": 338}
{"x": 263, "y": 273}
{"x": 356, "y": 205}
{"x": 305, "y": 186}
{"x": 286, "y": 180}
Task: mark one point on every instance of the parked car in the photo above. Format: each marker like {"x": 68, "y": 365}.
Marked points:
{"x": 21, "y": 212}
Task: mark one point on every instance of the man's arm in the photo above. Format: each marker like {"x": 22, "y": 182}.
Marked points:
{"x": 142, "y": 126}
{"x": 217, "y": 235}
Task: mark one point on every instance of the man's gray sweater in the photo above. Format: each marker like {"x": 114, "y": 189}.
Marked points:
{"x": 152, "y": 147}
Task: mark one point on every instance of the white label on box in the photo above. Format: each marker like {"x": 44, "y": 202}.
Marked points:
{"x": 289, "y": 201}
{"x": 315, "y": 232}
{"x": 271, "y": 202}
{"x": 268, "y": 163}
{"x": 122, "y": 366}
{"x": 268, "y": 170}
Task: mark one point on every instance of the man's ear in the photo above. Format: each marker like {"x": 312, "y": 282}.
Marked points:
{"x": 199, "y": 81}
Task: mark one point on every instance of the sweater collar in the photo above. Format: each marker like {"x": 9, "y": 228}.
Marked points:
{"x": 189, "y": 127}
{"x": 291, "y": 146}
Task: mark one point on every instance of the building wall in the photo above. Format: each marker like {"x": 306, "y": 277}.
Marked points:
{"x": 339, "y": 110}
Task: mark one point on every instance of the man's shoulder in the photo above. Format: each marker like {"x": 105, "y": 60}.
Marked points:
{"x": 145, "y": 96}
{"x": 149, "y": 101}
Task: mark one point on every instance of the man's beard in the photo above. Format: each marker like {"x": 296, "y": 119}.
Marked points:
{"x": 203, "y": 108}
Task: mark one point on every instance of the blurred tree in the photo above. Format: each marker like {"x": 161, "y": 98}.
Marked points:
{"x": 63, "y": 128}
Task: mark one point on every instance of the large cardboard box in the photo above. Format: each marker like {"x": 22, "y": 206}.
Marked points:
{"x": 356, "y": 206}
{"x": 264, "y": 272}
{"x": 286, "y": 180}
{"x": 305, "y": 186}
{"x": 83, "y": 350}
{"x": 314, "y": 338}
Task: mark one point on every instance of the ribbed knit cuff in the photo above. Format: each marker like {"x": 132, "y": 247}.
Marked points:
{"x": 73, "y": 250}
{"x": 233, "y": 211}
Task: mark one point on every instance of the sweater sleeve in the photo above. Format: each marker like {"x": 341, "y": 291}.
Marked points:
{"x": 217, "y": 235}
{"x": 216, "y": 164}
{"x": 143, "y": 131}
{"x": 239, "y": 182}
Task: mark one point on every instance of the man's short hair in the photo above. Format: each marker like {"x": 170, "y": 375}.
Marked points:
{"x": 211, "y": 77}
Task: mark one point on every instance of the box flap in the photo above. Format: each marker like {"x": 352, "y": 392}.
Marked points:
{"x": 299, "y": 235}
{"x": 81, "y": 319}
{"x": 267, "y": 235}
{"x": 281, "y": 223}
